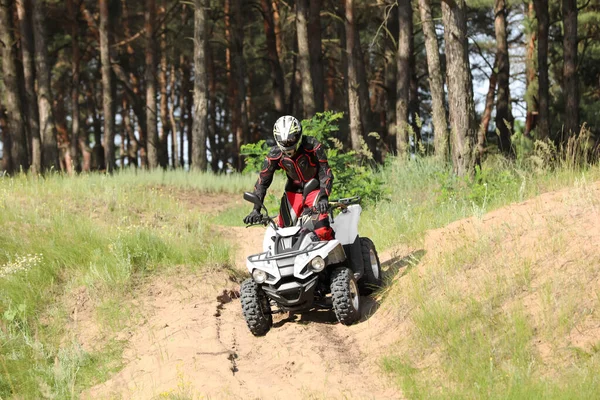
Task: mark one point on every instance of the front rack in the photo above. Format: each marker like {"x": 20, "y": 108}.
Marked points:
{"x": 263, "y": 256}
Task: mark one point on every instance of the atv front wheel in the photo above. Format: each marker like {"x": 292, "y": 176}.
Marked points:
{"x": 372, "y": 278}
{"x": 346, "y": 299}
{"x": 256, "y": 308}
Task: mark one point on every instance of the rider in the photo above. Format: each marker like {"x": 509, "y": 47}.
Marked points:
{"x": 302, "y": 159}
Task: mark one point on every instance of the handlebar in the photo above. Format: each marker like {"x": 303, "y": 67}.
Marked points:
{"x": 265, "y": 220}
{"x": 341, "y": 204}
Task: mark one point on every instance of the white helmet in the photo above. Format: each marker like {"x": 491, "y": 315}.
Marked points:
{"x": 288, "y": 134}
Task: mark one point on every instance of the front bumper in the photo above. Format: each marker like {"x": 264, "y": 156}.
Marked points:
{"x": 295, "y": 295}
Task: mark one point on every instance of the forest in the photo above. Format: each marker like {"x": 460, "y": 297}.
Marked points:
{"x": 111, "y": 84}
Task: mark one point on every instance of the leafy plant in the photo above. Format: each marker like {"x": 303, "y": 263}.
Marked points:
{"x": 255, "y": 154}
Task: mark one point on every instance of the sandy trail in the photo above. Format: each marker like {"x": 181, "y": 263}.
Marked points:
{"x": 196, "y": 344}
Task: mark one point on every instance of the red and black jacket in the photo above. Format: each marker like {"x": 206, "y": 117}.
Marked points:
{"x": 310, "y": 161}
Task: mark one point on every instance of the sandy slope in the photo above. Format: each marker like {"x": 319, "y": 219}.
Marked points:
{"x": 196, "y": 343}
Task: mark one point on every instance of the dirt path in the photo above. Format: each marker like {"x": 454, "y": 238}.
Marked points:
{"x": 196, "y": 344}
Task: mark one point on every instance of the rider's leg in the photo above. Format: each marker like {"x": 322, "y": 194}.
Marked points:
{"x": 290, "y": 209}
{"x": 322, "y": 224}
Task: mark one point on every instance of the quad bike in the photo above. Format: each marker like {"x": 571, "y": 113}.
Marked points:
{"x": 296, "y": 272}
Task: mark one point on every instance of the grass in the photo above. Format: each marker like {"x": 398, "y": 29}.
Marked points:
{"x": 495, "y": 313}
{"x": 103, "y": 233}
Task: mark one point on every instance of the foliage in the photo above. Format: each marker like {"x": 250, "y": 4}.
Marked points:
{"x": 353, "y": 172}
{"x": 254, "y": 155}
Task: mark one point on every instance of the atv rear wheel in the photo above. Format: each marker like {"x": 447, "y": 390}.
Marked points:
{"x": 372, "y": 278}
{"x": 256, "y": 308}
{"x": 345, "y": 295}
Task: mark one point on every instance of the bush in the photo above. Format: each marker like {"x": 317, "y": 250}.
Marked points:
{"x": 353, "y": 171}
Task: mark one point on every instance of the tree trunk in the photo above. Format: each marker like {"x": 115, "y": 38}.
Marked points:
{"x": 413, "y": 91}
{"x": 277, "y": 29}
{"x": 316, "y": 54}
{"x": 133, "y": 90}
{"x": 354, "y": 109}
{"x": 172, "y": 122}
{"x": 504, "y": 118}
{"x": 570, "y": 81}
{"x": 487, "y": 113}
{"x": 185, "y": 106}
{"x": 363, "y": 85}
{"x": 276, "y": 71}
{"x": 213, "y": 133}
{"x": 189, "y": 122}
{"x": 294, "y": 103}
{"x": 165, "y": 125}
{"x": 17, "y": 146}
{"x": 344, "y": 101}
{"x": 530, "y": 74}
{"x": 76, "y": 145}
{"x": 404, "y": 74}
{"x": 107, "y": 89}
{"x": 152, "y": 145}
{"x": 391, "y": 73}
{"x": 436, "y": 83}
{"x": 97, "y": 159}
{"x": 62, "y": 132}
{"x": 543, "y": 121}
{"x": 304, "y": 61}
{"x": 132, "y": 143}
{"x": 413, "y": 104}
{"x": 239, "y": 69}
{"x": 5, "y": 138}
{"x": 460, "y": 89}
{"x": 330, "y": 82}
{"x": 200, "y": 126}
{"x": 31, "y": 107}
{"x": 231, "y": 86}
{"x": 42, "y": 71}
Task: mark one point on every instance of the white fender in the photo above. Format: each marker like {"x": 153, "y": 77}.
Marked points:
{"x": 345, "y": 225}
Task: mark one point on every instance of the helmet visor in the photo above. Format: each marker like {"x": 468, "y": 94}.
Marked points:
{"x": 290, "y": 142}
{"x": 289, "y": 150}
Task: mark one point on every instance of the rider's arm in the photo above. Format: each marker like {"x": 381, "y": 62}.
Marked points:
{"x": 325, "y": 174}
{"x": 265, "y": 176}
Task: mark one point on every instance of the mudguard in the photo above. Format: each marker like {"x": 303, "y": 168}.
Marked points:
{"x": 345, "y": 225}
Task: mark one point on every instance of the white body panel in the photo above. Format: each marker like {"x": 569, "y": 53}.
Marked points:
{"x": 303, "y": 259}
{"x": 300, "y": 261}
{"x": 345, "y": 224}
{"x": 270, "y": 232}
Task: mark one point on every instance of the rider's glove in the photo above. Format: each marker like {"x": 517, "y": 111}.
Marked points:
{"x": 323, "y": 205}
{"x": 253, "y": 218}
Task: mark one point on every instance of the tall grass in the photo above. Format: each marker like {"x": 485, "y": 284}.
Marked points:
{"x": 423, "y": 194}
{"x": 100, "y": 232}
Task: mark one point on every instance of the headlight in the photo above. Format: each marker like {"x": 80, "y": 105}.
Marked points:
{"x": 317, "y": 264}
{"x": 259, "y": 276}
